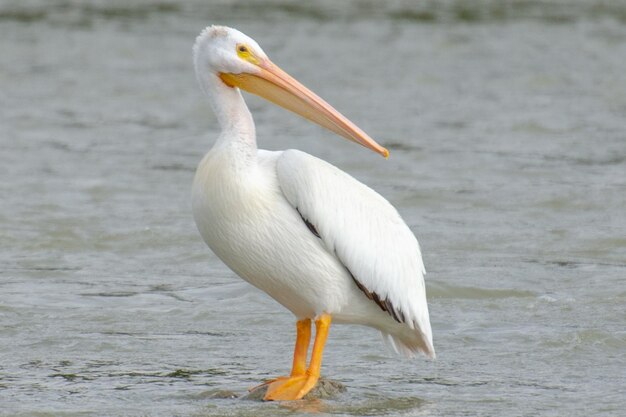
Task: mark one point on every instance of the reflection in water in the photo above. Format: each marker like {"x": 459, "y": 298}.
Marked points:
{"x": 370, "y": 405}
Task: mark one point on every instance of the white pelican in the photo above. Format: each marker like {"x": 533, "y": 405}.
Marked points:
{"x": 316, "y": 240}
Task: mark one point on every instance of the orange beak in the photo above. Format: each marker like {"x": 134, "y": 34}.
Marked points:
{"x": 275, "y": 85}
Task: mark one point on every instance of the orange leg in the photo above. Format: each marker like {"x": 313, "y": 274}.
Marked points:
{"x": 303, "y": 337}
{"x": 299, "y": 384}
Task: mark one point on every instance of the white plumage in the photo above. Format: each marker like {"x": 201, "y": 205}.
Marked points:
{"x": 312, "y": 237}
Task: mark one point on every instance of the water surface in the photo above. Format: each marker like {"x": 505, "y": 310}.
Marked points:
{"x": 505, "y": 122}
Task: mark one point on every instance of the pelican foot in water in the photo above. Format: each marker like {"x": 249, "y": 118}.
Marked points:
{"x": 301, "y": 382}
{"x": 292, "y": 388}
{"x": 325, "y": 389}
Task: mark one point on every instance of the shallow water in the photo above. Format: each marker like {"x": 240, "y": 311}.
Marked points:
{"x": 506, "y": 125}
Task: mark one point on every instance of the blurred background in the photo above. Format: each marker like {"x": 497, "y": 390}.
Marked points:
{"x": 506, "y": 122}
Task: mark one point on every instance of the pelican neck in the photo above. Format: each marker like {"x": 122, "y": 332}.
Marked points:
{"x": 237, "y": 126}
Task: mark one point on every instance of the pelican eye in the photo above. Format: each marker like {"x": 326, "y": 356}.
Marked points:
{"x": 243, "y": 51}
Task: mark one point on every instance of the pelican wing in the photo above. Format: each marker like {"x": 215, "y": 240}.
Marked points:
{"x": 365, "y": 232}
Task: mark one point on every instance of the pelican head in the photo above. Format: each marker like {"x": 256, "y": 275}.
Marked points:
{"x": 236, "y": 60}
